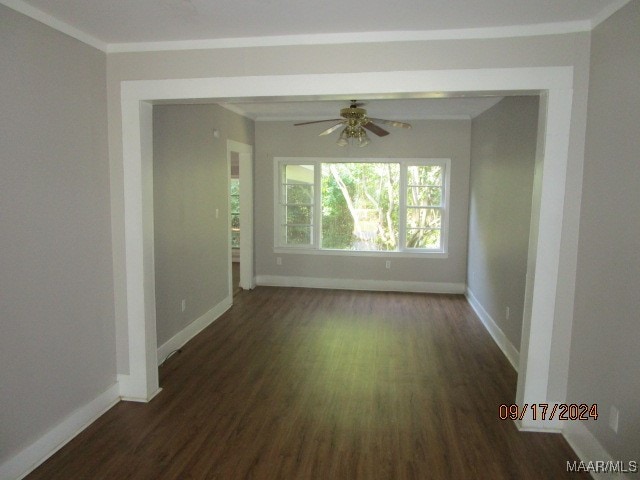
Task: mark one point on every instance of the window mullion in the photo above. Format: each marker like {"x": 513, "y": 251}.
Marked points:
{"x": 280, "y": 204}
{"x": 317, "y": 208}
{"x": 402, "y": 220}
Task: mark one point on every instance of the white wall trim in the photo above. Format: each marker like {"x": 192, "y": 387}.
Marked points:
{"x": 193, "y": 329}
{"x": 35, "y": 454}
{"x": 588, "y": 449}
{"x": 63, "y": 27}
{"x": 509, "y": 350}
{"x": 558, "y": 28}
{"x": 308, "y": 118}
{"x": 359, "y": 284}
{"x": 556, "y": 82}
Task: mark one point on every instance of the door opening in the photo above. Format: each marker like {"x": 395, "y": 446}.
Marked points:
{"x": 240, "y": 167}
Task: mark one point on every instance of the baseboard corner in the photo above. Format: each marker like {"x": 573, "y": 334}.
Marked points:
{"x": 194, "y": 328}
{"x": 509, "y": 350}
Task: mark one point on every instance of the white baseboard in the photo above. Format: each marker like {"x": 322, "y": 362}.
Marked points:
{"x": 589, "y": 449}
{"x": 130, "y": 391}
{"x": 35, "y": 454}
{"x": 494, "y": 330}
{"x": 357, "y": 284}
{"x": 194, "y": 328}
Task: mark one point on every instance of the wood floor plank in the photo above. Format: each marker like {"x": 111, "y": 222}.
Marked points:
{"x": 305, "y": 384}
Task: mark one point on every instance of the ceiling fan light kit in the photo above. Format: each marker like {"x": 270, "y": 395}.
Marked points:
{"x": 353, "y": 135}
{"x": 355, "y": 122}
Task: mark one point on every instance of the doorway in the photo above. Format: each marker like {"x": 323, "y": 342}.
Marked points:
{"x": 240, "y": 168}
{"x": 554, "y": 83}
{"x": 234, "y": 212}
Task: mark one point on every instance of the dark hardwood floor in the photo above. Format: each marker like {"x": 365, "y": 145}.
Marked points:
{"x": 324, "y": 384}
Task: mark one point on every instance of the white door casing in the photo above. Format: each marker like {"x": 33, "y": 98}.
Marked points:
{"x": 555, "y": 83}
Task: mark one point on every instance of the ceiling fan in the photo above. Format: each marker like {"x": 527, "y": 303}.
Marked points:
{"x": 355, "y": 121}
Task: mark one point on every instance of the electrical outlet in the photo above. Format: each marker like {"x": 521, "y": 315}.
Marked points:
{"x": 183, "y": 305}
{"x": 278, "y": 260}
{"x": 387, "y": 264}
{"x": 614, "y": 416}
{"x": 507, "y": 313}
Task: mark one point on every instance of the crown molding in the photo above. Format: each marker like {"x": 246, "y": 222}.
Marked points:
{"x": 404, "y": 118}
{"x": 351, "y": 38}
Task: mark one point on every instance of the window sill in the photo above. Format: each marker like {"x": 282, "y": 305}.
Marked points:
{"x": 354, "y": 253}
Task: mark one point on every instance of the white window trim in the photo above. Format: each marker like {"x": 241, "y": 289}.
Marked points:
{"x": 315, "y": 249}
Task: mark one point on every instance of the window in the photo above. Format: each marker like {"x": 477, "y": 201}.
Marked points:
{"x": 362, "y": 205}
{"x": 424, "y": 207}
{"x": 235, "y": 213}
{"x": 297, "y": 200}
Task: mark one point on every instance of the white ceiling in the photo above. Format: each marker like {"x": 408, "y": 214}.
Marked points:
{"x": 134, "y": 21}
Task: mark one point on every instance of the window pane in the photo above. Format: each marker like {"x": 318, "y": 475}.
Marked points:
{"x": 235, "y": 222}
{"x": 299, "y": 174}
{"x": 296, "y": 235}
{"x": 424, "y": 189}
{"x": 424, "y": 196}
{"x": 235, "y": 204}
{"x": 424, "y": 175}
{"x": 297, "y": 201}
{"x": 235, "y": 186}
{"x": 298, "y": 214}
{"x": 299, "y": 194}
{"x": 235, "y": 239}
{"x": 360, "y": 206}
{"x": 424, "y": 218}
{"x": 423, "y": 238}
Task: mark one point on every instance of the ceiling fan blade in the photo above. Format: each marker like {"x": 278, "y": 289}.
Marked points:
{"x": 332, "y": 129}
{"x": 318, "y": 121}
{"x": 372, "y": 127}
{"x": 393, "y": 123}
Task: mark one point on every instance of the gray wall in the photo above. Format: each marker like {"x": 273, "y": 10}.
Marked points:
{"x": 427, "y": 139}
{"x": 57, "y": 340}
{"x": 503, "y": 150}
{"x": 190, "y": 177}
{"x": 605, "y": 355}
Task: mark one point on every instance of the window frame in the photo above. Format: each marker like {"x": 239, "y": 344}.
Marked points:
{"x": 280, "y": 220}
{"x": 314, "y": 248}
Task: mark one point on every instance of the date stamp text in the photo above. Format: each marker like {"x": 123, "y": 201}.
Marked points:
{"x": 546, "y": 411}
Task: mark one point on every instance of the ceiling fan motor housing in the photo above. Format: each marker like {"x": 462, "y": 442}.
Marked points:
{"x": 354, "y": 114}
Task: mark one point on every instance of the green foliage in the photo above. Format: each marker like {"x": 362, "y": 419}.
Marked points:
{"x": 360, "y": 206}
{"x": 337, "y": 222}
